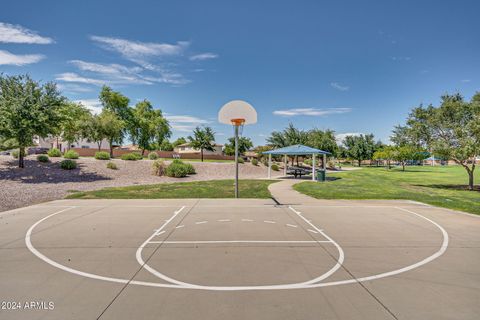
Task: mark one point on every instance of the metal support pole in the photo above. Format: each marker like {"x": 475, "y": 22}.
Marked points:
{"x": 269, "y": 165}
{"x": 285, "y": 165}
{"x": 325, "y": 163}
{"x": 236, "y": 161}
{"x": 313, "y": 167}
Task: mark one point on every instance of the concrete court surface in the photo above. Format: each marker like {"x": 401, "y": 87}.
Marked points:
{"x": 238, "y": 259}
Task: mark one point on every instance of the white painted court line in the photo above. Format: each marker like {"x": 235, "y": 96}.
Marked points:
{"x": 224, "y": 220}
{"x": 291, "y": 225}
{"x": 181, "y": 226}
{"x": 238, "y": 241}
{"x": 201, "y": 222}
{"x": 247, "y": 220}
{"x": 159, "y": 232}
{"x": 310, "y": 230}
{"x": 269, "y": 221}
{"x": 434, "y": 256}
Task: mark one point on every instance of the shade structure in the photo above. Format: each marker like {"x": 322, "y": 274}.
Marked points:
{"x": 296, "y": 150}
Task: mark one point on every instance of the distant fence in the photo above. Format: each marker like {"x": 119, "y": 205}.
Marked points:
{"x": 90, "y": 152}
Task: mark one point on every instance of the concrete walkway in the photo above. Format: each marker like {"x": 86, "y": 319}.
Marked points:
{"x": 284, "y": 193}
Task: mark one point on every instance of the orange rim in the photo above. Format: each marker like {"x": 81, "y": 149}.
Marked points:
{"x": 237, "y": 122}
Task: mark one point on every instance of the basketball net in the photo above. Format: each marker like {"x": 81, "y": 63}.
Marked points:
{"x": 238, "y": 123}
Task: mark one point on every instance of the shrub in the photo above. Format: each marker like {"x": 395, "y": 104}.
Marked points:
{"x": 42, "y": 158}
{"x": 68, "y": 164}
{"x": 240, "y": 160}
{"x": 15, "y": 154}
{"x": 54, "y": 152}
{"x": 265, "y": 161}
{"x": 112, "y": 165}
{"x": 132, "y": 156}
{"x": 70, "y": 154}
{"x": 188, "y": 167}
{"x": 255, "y": 162}
{"x": 153, "y": 156}
{"x": 275, "y": 167}
{"x": 177, "y": 170}
{"x": 102, "y": 155}
{"x": 308, "y": 162}
{"x": 158, "y": 168}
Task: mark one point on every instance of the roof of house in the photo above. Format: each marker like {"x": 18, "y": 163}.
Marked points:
{"x": 188, "y": 144}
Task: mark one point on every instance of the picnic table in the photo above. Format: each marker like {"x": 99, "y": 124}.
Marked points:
{"x": 298, "y": 171}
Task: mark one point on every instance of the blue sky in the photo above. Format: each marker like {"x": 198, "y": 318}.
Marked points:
{"x": 351, "y": 66}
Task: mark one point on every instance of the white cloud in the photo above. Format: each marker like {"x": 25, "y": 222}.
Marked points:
{"x": 401, "y": 58}
{"x": 136, "y": 49}
{"x": 7, "y": 58}
{"x": 310, "y": 111}
{"x": 466, "y": 80}
{"x": 94, "y": 105}
{"x": 10, "y": 33}
{"x": 204, "y": 56}
{"x": 184, "y": 123}
{"x": 73, "y": 77}
{"x": 110, "y": 69}
{"x": 341, "y": 136}
{"x": 338, "y": 86}
{"x": 73, "y": 88}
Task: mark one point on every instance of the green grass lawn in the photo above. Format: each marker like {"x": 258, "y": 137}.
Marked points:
{"x": 440, "y": 186}
{"x": 181, "y": 190}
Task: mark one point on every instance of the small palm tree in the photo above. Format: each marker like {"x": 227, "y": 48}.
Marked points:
{"x": 203, "y": 139}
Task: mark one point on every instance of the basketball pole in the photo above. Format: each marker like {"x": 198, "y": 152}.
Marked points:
{"x": 236, "y": 161}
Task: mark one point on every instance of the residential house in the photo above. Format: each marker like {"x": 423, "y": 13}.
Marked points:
{"x": 187, "y": 148}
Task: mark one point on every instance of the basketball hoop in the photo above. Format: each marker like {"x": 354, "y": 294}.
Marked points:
{"x": 237, "y": 113}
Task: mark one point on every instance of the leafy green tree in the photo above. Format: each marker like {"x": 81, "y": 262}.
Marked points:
{"x": 93, "y": 130}
{"x": 405, "y": 153}
{"x": 360, "y": 147}
{"x": 451, "y": 130}
{"x": 244, "y": 144}
{"x": 203, "y": 139}
{"x": 323, "y": 140}
{"x": 401, "y": 136}
{"x": 150, "y": 127}
{"x": 166, "y": 146}
{"x": 179, "y": 141}
{"x": 117, "y": 103}
{"x": 113, "y": 128}
{"x": 28, "y": 109}
{"x": 387, "y": 153}
{"x": 74, "y": 116}
{"x": 289, "y": 136}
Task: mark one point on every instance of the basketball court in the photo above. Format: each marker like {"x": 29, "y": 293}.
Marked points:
{"x": 239, "y": 259}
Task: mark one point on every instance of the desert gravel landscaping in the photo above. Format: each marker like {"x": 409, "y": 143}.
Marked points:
{"x": 40, "y": 182}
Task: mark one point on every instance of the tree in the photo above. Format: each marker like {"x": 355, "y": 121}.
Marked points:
{"x": 113, "y": 128}
{"x": 405, "y": 153}
{"x": 244, "y": 144}
{"x": 150, "y": 127}
{"x": 28, "y": 109}
{"x": 289, "y": 136}
{"x": 387, "y": 153}
{"x": 74, "y": 116}
{"x": 400, "y": 136}
{"x": 360, "y": 147}
{"x": 166, "y": 146}
{"x": 323, "y": 140}
{"x": 93, "y": 130}
{"x": 117, "y": 103}
{"x": 451, "y": 130}
{"x": 203, "y": 139}
{"x": 179, "y": 141}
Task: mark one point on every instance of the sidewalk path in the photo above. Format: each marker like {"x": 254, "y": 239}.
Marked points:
{"x": 284, "y": 193}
